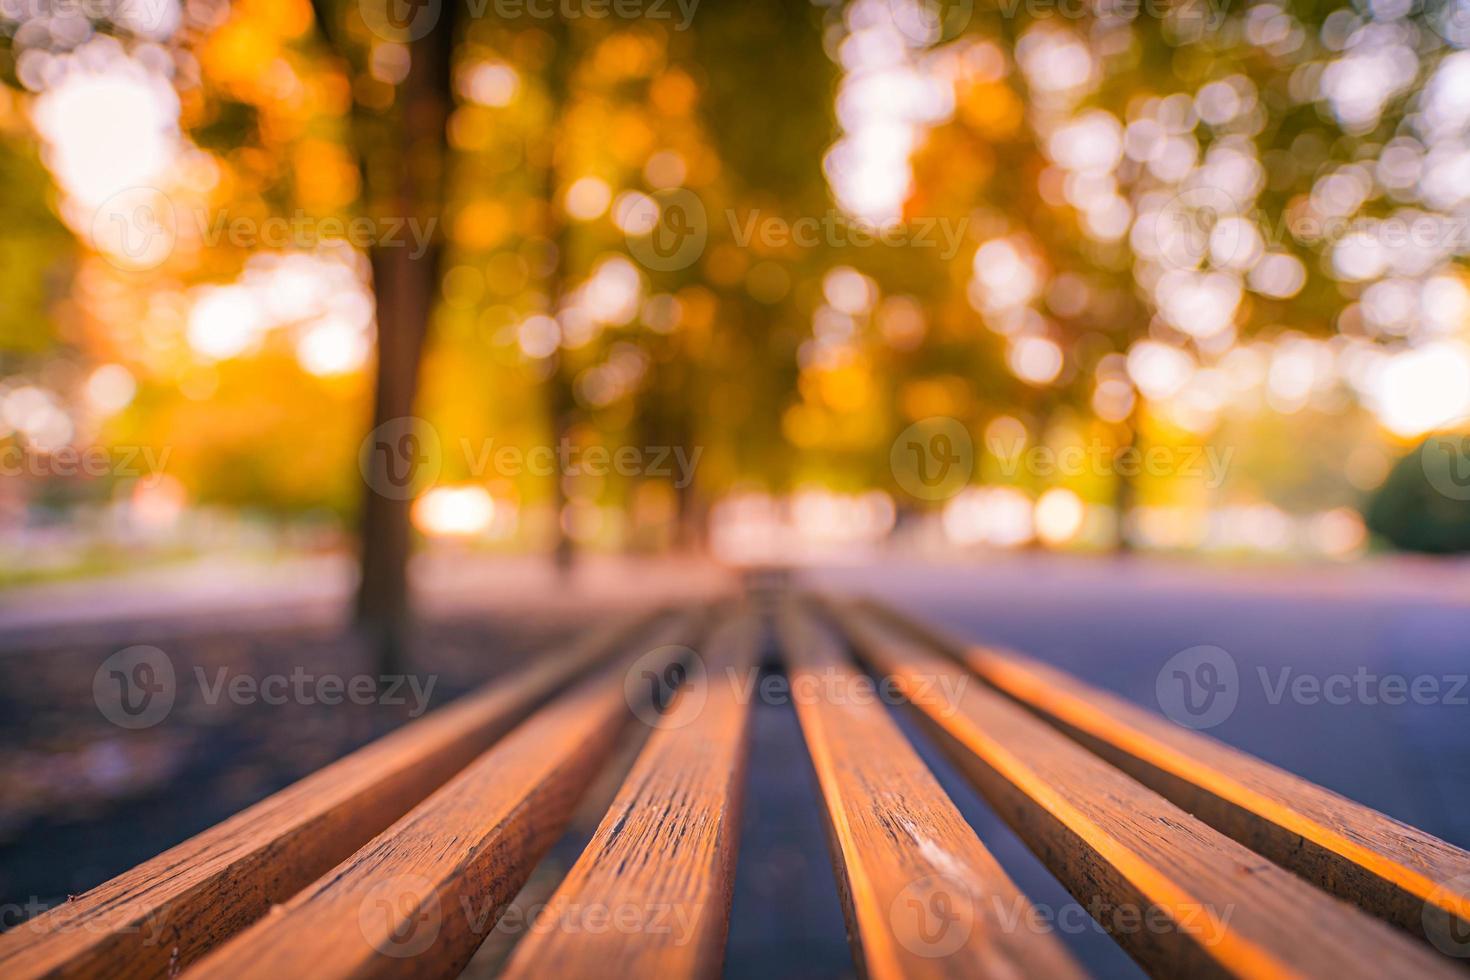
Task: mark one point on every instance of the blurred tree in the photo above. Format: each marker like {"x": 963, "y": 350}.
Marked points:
{"x": 403, "y": 155}
{"x": 1412, "y": 509}
{"x": 36, "y": 249}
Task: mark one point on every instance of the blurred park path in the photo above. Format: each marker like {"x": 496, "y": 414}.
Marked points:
{"x": 217, "y": 593}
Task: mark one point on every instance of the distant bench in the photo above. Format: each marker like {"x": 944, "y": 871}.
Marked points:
{"x": 398, "y": 859}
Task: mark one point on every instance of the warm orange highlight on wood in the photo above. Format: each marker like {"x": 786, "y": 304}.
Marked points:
{"x": 1389, "y": 868}
{"x": 1203, "y": 904}
{"x": 650, "y": 896}
{"x": 420, "y": 897}
{"x": 922, "y": 895}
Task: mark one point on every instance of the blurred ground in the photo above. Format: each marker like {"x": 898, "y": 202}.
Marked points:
{"x": 317, "y": 589}
{"x": 81, "y": 800}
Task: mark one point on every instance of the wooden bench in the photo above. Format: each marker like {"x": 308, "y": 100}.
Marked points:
{"x": 399, "y": 859}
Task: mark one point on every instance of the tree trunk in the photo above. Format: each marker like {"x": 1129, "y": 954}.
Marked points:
{"x": 405, "y": 177}
{"x": 562, "y": 406}
{"x": 561, "y": 402}
{"x": 1125, "y": 485}
{"x": 404, "y": 289}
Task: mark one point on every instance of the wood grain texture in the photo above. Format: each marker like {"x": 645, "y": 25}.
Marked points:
{"x": 922, "y": 895}
{"x": 168, "y": 911}
{"x": 650, "y": 896}
{"x": 420, "y": 897}
{"x": 1386, "y": 867}
{"x": 1180, "y": 897}
{"x": 494, "y": 953}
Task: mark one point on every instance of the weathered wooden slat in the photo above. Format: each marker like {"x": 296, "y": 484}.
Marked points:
{"x": 420, "y": 897}
{"x": 494, "y": 953}
{"x": 922, "y": 895}
{"x": 1180, "y": 897}
{"x": 1390, "y": 869}
{"x": 650, "y": 896}
{"x": 168, "y": 911}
